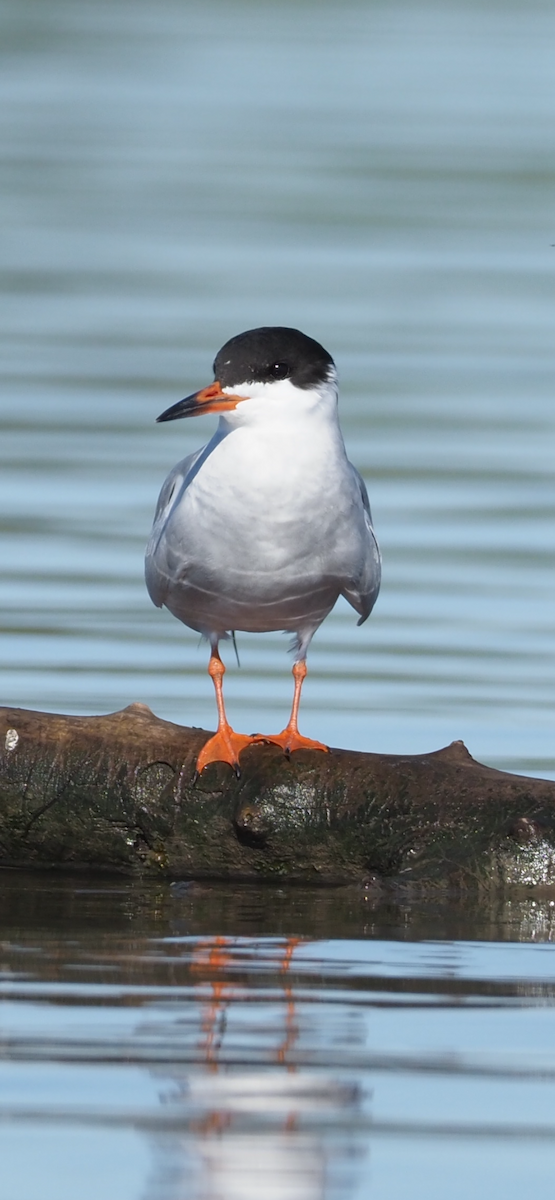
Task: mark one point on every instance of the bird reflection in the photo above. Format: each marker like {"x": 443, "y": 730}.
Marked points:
{"x": 211, "y": 960}
{"x": 249, "y": 1133}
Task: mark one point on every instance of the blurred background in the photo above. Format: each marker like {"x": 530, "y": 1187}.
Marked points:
{"x": 379, "y": 174}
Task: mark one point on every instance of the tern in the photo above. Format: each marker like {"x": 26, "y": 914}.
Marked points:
{"x": 269, "y": 523}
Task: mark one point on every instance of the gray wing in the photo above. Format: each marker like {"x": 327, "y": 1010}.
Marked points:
{"x": 155, "y": 577}
{"x": 362, "y": 592}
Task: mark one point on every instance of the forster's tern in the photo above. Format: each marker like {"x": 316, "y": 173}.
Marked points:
{"x": 266, "y": 526}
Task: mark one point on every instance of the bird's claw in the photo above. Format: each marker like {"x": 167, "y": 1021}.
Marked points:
{"x": 225, "y": 746}
{"x": 291, "y": 740}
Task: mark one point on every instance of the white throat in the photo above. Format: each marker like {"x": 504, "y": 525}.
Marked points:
{"x": 283, "y": 403}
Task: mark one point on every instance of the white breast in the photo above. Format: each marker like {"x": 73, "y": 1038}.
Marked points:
{"x": 267, "y": 526}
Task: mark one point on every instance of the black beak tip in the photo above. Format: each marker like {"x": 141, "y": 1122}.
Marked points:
{"x": 174, "y": 413}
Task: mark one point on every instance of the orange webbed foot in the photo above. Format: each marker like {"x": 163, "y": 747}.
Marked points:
{"x": 291, "y": 740}
{"x": 226, "y": 746}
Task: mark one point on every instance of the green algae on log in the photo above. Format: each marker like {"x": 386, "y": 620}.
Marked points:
{"x": 119, "y": 792}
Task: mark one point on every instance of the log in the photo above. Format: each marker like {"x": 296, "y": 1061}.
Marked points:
{"x": 119, "y": 793}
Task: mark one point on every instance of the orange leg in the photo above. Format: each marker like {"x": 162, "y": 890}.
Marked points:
{"x": 225, "y": 745}
{"x": 290, "y": 739}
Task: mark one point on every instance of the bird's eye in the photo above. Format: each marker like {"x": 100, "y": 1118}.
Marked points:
{"x": 278, "y": 370}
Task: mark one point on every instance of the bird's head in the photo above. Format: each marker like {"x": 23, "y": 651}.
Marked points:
{"x": 263, "y": 371}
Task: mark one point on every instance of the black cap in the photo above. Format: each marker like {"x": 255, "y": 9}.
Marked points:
{"x": 269, "y": 353}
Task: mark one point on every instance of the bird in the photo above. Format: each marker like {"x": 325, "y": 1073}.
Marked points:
{"x": 269, "y": 523}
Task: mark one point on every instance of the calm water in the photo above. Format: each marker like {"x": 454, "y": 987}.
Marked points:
{"x": 381, "y": 175}
{"x": 225, "y": 1044}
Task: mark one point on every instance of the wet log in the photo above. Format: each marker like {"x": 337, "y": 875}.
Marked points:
{"x": 119, "y": 792}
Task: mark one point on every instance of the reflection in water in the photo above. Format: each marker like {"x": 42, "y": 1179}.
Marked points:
{"x": 277, "y": 1158}
{"x": 374, "y": 173}
{"x": 208, "y": 961}
{"x": 271, "y": 1042}
{"x": 291, "y": 1028}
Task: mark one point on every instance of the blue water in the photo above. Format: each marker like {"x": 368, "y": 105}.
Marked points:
{"x": 234, "y": 1042}
{"x": 380, "y": 176}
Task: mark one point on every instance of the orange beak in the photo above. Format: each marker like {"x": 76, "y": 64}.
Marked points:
{"x": 210, "y": 399}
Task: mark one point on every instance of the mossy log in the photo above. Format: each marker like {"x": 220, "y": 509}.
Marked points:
{"x": 119, "y": 792}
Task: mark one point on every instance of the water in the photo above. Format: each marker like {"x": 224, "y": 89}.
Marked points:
{"x": 164, "y": 1043}
{"x": 377, "y": 174}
